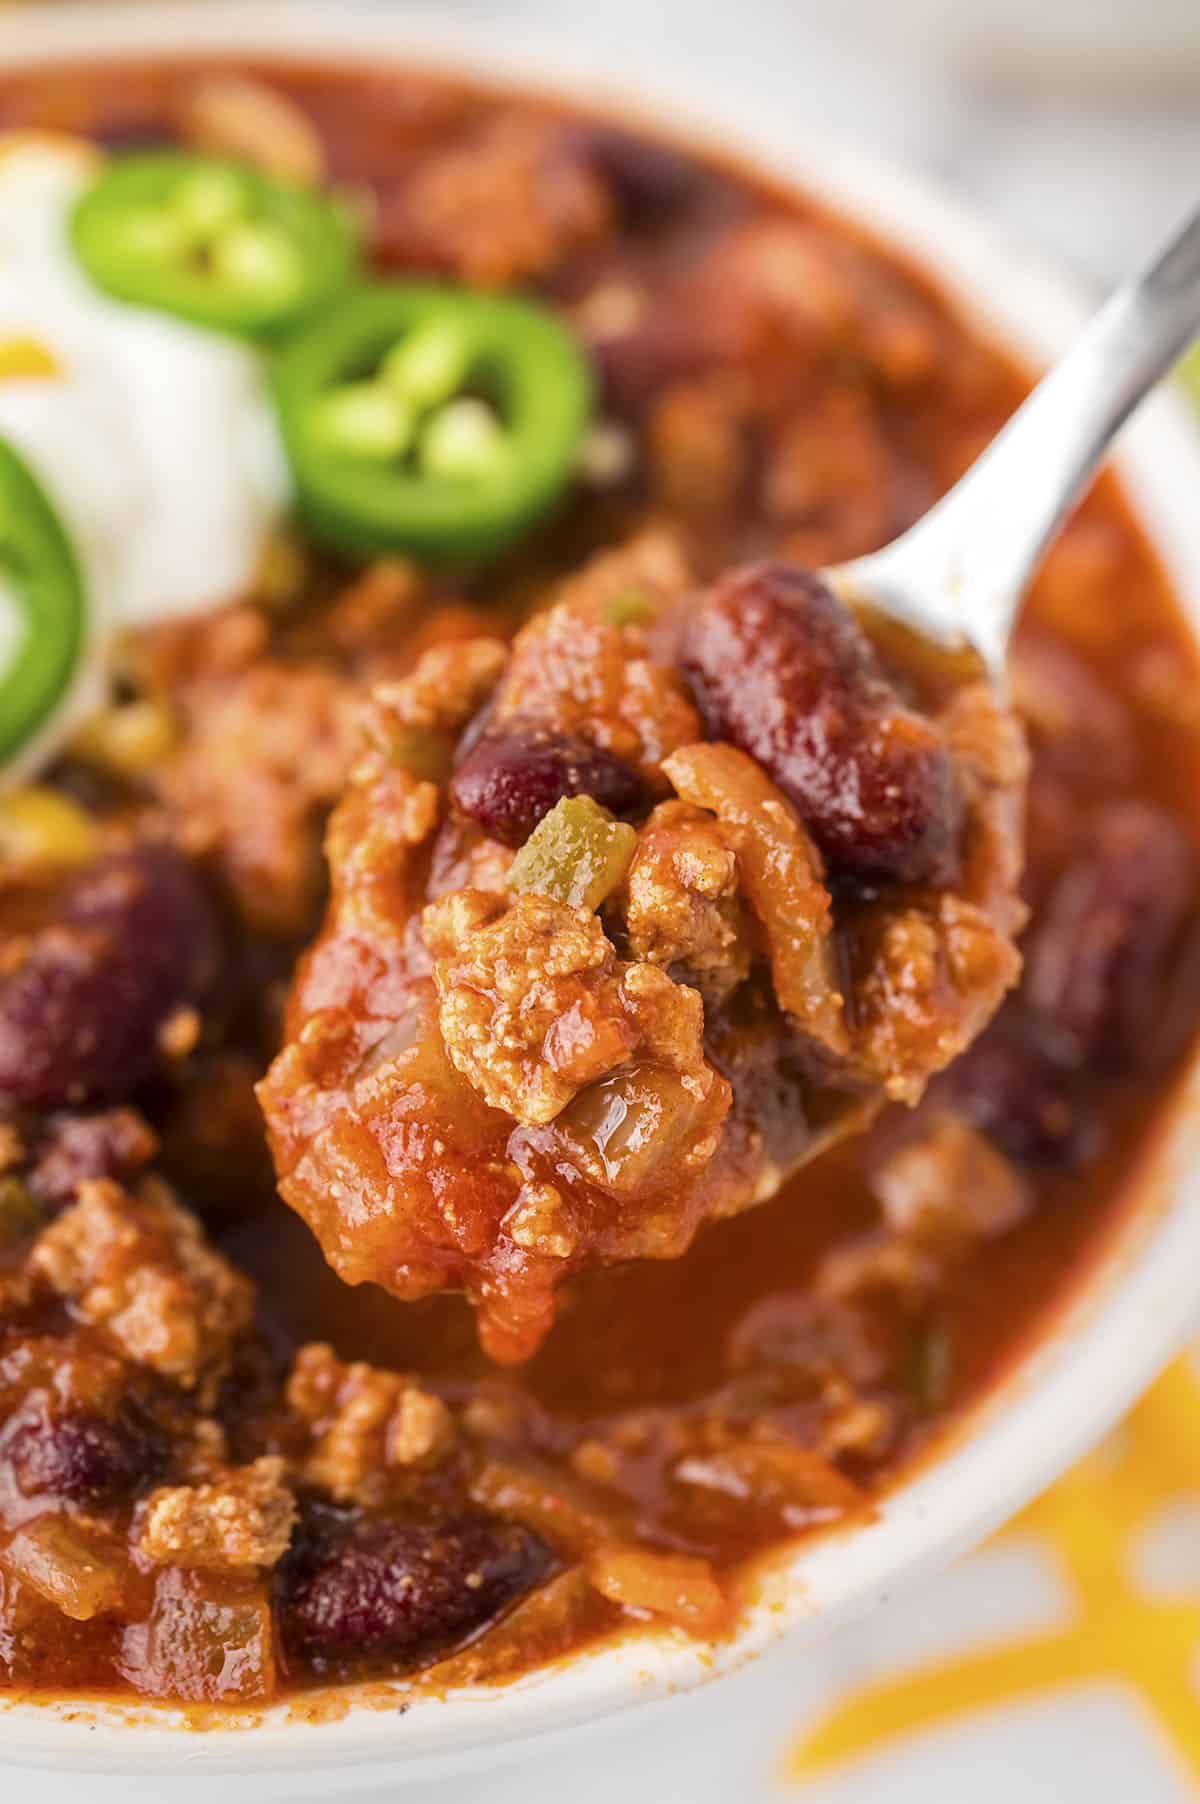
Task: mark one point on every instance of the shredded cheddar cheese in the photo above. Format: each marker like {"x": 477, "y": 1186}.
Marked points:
{"x": 27, "y": 359}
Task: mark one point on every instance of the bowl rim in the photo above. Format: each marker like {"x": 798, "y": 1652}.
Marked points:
{"x": 1135, "y": 1304}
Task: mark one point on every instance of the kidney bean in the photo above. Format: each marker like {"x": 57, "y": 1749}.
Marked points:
{"x": 774, "y": 1073}
{"x": 511, "y": 779}
{"x": 120, "y": 136}
{"x": 782, "y": 670}
{"x": 1098, "y": 958}
{"x": 662, "y": 343}
{"x": 1009, "y": 1087}
{"x": 115, "y": 1143}
{"x": 134, "y": 938}
{"x": 651, "y": 183}
{"x": 80, "y": 1457}
{"x": 400, "y": 1589}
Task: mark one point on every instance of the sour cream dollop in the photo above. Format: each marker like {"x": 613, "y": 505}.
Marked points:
{"x": 154, "y": 440}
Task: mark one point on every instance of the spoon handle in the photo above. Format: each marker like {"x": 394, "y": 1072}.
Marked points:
{"x": 961, "y": 572}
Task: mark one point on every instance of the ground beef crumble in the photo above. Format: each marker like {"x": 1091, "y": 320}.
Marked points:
{"x": 239, "y": 1521}
{"x": 535, "y": 1006}
{"x": 682, "y": 904}
{"x": 138, "y": 1266}
{"x": 509, "y": 204}
{"x": 367, "y": 1424}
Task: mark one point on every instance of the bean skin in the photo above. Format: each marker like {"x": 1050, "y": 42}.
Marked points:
{"x": 653, "y": 185}
{"x": 400, "y": 1589}
{"x": 1010, "y": 1088}
{"x": 510, "y": 780}
{"x": 112, "y": 1143}
{"x": 134, "y": 938}
{"x": 783, "y": 671}
{"x": 84, "y": 1458}
{"x": 1099, "y": 956}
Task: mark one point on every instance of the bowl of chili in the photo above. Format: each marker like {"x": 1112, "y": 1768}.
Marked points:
{"x": 1135, "y": 1294}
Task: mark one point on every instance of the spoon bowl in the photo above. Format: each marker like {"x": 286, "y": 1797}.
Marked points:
{"x": 959, "y": 576}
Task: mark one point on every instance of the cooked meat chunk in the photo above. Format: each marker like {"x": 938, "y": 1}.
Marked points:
{"x": 138, "y": 1266}
{"x": 682, "y": 904}
{"x": 535, "y": 1006}
{"x": 821, "y": 472}
{"x": 830, "y": 299}
{"x": 367, "y": 1425}
{"x": 238, "y": 1522}
{"x": 926, "y": 981}
{"x": 782, "y": 874}
{"x": 264, "y": 755}
{"x": 510, "y": 204}
{"x": 444, "y": 688}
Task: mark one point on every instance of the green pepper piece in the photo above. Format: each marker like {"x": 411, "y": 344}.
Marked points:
{"x": 630, "y": 608}
{"x": 930, "y": 1370}
{"x": 214, "y": 241}
{"x": 576, "y": 854}
{"x": 20, "y": 1212}
{"x": 40, "y": 582}
{"x": 421, "y": 751}
{"x": 500, "y": 394}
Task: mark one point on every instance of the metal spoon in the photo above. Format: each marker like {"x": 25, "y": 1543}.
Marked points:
{"x": 959, "y": 576}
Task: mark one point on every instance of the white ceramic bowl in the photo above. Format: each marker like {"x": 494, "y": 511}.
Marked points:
{"x": 1074, "y": 43}
{"x": 1137, "y": 1302}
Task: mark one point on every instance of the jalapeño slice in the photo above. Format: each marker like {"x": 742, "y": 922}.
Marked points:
{"x": 432, "y": 420}
{"x": 40, "y": 584}
{"x": 217, "y": 242}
